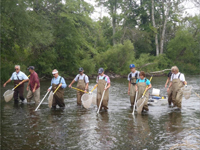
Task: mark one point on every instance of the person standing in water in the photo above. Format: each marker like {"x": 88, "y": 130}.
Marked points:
{"x": 34, "y": 84}
{"x": 132, "y": 78}
{"x": 141, "y": 86}
{"x": 177, "y": 82}
{"x": 82, "y": 84}
{"x": 169, "y": 93}
{"x": 102, "y": 79}
{"x": 19, "y": 78}
{"x": 58, "y": 97}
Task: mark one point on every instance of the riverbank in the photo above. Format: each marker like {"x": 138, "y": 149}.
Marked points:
{"x": 111, "y": 75}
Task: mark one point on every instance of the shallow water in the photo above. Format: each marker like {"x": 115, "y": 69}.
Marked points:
{"x": 77, "y": 128}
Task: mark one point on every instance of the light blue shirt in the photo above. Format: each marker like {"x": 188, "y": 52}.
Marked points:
{"x": 107, "y": 79}
{"x": 20, "y": 75}
{"x": 140, "y": 80}
{"x": 56, "y": 81}
{"x": 81, "y": 77}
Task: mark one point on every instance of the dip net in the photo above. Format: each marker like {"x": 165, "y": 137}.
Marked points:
{"x": 140, "y": 104}
{"x": 50, "y": 99}
{"x": 88, "y": 99}
{"x": 187, "y": 91}
{"x": 8, "y": 95}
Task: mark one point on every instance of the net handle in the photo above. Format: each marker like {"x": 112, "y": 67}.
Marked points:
{"x": 78, "y": 89}
{"x": 94, "y": 88}
{"x": 18, "y": 84}
{"x": 56, "y": 89}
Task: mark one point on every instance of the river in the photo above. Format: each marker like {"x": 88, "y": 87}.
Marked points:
{"x": 76, "y": 128}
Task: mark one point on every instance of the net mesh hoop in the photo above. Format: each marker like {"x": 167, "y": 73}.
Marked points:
{"x": 8, "y": 95}
{"x": 50, "y": 99}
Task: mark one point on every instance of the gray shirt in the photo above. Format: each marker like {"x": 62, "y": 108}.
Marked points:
{"x": 81, "y": 77}
{"x": 133, "y": 75}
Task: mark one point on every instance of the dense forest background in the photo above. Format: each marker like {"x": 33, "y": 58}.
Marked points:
{"x": 61, "y": 34}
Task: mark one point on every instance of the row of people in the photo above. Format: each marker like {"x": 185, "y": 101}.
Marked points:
{"x": 137, "y": 82}
{"x": 176, "y": 81}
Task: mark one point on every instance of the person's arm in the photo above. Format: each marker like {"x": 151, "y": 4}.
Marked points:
{"x": 136, "y": 87}
{"x": 28, "y": 85}
{"x": 167, "y": 82}
{"x": 108, "y": 86}
{"x": 37, "y": 82}
{"x": 108, "y": 83}
{"x": 169, "y": 86}
{"x": 35, "y": 87}
{"x": 49, "y": 89}
{"x": 149, "y": 86}
{"x": 87, "y": 83}
{"x": 129, "y": 86}
{"x": 4, "y": 85}
{"x": 71, "y": 83}
{"x": 183, "y": 79}
{"x": 63, "y": 83}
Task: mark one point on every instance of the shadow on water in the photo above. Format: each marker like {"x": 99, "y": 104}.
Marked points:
{"x": 76, "y": 128}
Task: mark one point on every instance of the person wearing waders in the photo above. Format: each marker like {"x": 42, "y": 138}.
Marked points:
{"x": 141, "y": 86}
{"x": 58, "y": 97}
{"x": 19, "y": 78}
{"x": 169, "y": 93}
{"x": 177, "y": 82}
{"x": 132, "y": 78}
{"x": 102, "y": 79}
{"x": 34, "y": 84}
{"x": 82, "y": 84}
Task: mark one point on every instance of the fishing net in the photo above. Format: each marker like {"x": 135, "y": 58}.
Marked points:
{"x": 140, "y": 104}
{"x": 8, "y": 95}
{"x": 94, "y": 99}
{"x": 50, "y": 99}
{"x": 87, "y": 100}
{"x": 187, "y": 91}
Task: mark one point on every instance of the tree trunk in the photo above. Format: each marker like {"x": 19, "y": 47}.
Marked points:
{"x": 164, "y": 28}
{"x": 114, "y": 20}
{"x": 155, "y": 29}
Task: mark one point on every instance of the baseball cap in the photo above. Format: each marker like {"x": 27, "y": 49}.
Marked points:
{"x": 31, "y": 67}
{"x": 101, "y": 70}
{"x": 132, "y": 66}
{"x": 80, "y": 69}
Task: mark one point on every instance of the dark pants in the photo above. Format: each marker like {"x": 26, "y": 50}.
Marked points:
{"x": 59, "y": 102}
{"x": 58, "y": 97}
{"x": 19, "y": 91}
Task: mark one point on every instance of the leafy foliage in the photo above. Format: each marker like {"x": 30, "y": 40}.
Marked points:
{"x": 55, "y": 34}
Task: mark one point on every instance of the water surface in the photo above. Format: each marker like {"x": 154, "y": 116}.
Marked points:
{"x": 74, "y": 127}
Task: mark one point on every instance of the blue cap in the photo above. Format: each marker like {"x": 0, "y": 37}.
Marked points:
{"x": 132, "y": 66}
{"x": 101, "y": 70}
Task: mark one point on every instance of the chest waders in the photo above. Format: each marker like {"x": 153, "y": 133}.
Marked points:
{"x": 100, "y": 89}
{"x": 177, "y": 93}
{"x": 19, "y": 90}
{"x": 141, "y": 89}
{"x": 169, "y": 96}
{"x": 80, "y": 85}
{"x": 132, "y": 88}
{"x": 58, "y": 97}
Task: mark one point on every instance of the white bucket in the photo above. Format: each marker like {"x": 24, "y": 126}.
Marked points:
{"x": 155, "y": 92}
